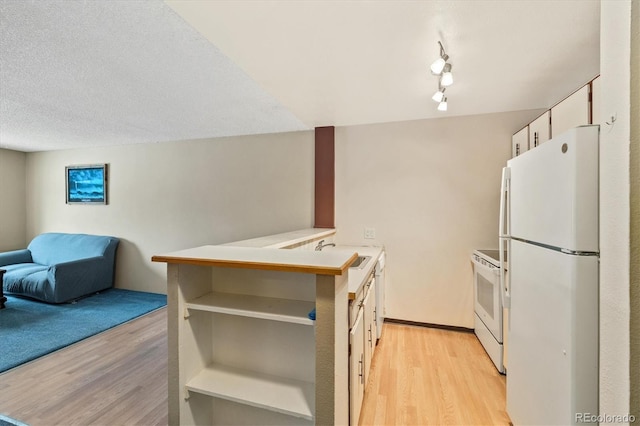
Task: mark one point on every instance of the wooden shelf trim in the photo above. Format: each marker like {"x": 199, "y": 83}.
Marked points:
{"x": 268, "y": 308}
{"x": 287, "y": 396}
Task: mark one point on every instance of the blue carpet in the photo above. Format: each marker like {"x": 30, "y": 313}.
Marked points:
{"x": 30, "y": 329}
{"x": 8, "y": 421}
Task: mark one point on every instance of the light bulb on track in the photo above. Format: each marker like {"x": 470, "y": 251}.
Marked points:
{"x": 442, "y": 106}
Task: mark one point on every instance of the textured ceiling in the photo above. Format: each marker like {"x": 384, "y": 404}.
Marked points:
{"x": 93, "y": 73}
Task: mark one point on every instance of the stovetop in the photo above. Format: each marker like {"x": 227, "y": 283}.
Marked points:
{"x": 492, "y": 256}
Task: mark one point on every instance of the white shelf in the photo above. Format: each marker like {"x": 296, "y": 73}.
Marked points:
{"x": 287, "y": 396}
{"x": 268, "y": 308}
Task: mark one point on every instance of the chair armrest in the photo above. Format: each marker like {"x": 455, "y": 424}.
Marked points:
{"x": 77, "y": 278}
{"x": 15, "y": 256}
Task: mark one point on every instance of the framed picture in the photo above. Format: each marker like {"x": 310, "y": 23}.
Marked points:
{"x": 86, "y": 184}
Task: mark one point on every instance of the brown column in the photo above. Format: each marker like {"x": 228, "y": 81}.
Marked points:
{"x": 325, "y": 177}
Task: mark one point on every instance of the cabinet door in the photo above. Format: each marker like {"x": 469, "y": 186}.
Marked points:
{"x": 571, "y": 112}
{"x": 356, "y": 368}
{"x": 368, "y": 324}
{"x": 595, "y": 101}
{"x": 539, "y": 130}
{"x": 520, "y": 142}
{"x": 372, "y": 324}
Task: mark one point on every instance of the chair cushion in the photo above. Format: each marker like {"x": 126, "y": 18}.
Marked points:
{"x": 28, "y": 279}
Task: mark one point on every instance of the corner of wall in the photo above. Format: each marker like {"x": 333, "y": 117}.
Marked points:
{"x": 615, "y": 209}
{"x": 634, "y": 273}
{"x": 13, "y": 189}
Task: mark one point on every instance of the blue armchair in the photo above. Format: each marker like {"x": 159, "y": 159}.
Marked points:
{"x": 58, "y": 267}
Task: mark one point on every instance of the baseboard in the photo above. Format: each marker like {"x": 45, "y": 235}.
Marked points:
{"x": 430, "y": 325}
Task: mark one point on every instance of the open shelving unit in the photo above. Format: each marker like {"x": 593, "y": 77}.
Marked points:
{"x": 273, "y": 393}
{"x": 239, "y": 332}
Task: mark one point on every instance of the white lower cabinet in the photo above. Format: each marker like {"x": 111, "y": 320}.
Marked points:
{"x": 370, "y": 331}
{"x": 356, "y": 367}
{"x": 362, "y": 341}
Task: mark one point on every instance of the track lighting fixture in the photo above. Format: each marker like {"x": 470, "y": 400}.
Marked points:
{"x": 442, "y": 68}
{"x": 442, "y": 106}
{"x": 439, "y": 95}
{"x": 438, "y": 65}
{"x": 447, "y": 78}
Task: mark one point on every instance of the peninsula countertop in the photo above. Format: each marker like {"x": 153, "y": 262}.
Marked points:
{"x": 334, "y": 262}
{"x": 239, "y": 254}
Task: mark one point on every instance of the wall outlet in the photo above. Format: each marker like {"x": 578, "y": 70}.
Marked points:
{"x": 370, "y": 233}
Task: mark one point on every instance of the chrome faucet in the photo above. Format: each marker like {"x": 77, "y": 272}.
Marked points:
{"x": 320, "y": 245}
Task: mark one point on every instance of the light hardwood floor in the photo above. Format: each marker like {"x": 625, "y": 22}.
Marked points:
{"x": 118, "y": 377}
{"x": 430, "y": 376}
{"x": 420, "y": 376}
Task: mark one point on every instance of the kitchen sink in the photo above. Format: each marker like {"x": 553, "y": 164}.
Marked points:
{"x": 360, "y": 262}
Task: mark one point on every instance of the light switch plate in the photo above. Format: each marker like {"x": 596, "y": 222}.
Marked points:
{"x": 370, "y": 233}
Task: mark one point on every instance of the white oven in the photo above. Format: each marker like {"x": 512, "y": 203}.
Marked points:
{"x": 488, "y": 324}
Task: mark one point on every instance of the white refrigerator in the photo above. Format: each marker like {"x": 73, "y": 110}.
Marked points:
{"x": 549, "y": 227}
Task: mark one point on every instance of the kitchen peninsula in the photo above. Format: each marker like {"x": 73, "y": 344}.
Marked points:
{"x": 243, "y": 347}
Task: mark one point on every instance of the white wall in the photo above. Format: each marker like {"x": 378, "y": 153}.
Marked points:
{"x": 12, "y": 205}
{"x": 614, "y": 207}
{"x": 635, "y": 211}
{"x": 169, "y": 196}
{"x": 430, "y": 188}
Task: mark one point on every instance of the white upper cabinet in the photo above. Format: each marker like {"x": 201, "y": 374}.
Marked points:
{"x": 571, "y": 112}
{"x": 579, "y": 109}
{"x": 595, "y": 101}
{"x": 540, "y": 130}
{"x": 520, "y": 142}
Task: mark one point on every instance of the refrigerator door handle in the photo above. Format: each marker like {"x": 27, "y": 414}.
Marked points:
{"x": 504, "y": 233}
{"x": 503, "y": 226}
{"x": 505, "y": 293}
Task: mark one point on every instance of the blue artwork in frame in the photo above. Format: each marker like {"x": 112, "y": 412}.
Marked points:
{"x": 86, "y": 184}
